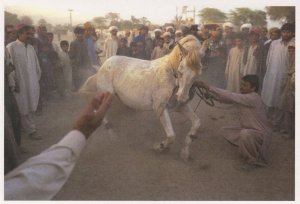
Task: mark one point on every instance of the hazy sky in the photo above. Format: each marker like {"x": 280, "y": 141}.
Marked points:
{"x": 157, "y": 11}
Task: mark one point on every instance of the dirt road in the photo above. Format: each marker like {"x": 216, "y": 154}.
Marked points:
{"x": 125, "y": 168}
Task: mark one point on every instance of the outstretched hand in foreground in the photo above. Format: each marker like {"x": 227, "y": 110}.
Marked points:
{"x": 92, "y": 115}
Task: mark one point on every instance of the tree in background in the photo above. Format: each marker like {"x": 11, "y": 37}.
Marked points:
{"x": 284, "y": 14}
{"x": 49, "y": 26}
{"x": 42, "y": 22}
{"x": 10, "y": 18}
{"x": 100, "y": 22}
{"x": 126, "y": 24}
{"x": 240, "y": 16}
{"x": 144, "y": 21}
{"x": 113, "y": 18}
{"x": 259, "y": 18}
{"x": 212, "y": 15}
{"x": 135, "y": 20}
{"x": 26, "y": 20}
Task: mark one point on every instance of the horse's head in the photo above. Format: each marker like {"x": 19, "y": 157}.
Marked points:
{"x": 189, "y": 66}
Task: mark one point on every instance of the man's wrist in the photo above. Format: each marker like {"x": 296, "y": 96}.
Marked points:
{"x": 84, "y": 131}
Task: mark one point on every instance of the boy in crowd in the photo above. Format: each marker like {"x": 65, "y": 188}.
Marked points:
{"x": 235, "y": 64}
{"x": 123, "y": 50}
{"x": 50, "y": 37}
{"x": 252, "y": 53}
{"x": 133, "y": 49}
{"x": 253, "y": 137}
{"x": 66, "y": 66}
{"x": 137, "y": 50}
{"x": 159, "y": 51}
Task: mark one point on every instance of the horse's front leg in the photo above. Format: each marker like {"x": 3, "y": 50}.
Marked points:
{"x": 167, "y": 125}
{"x": 187, "y": 111}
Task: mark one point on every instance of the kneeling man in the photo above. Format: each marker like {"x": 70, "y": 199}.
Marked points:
{"x": 253, "y": 137}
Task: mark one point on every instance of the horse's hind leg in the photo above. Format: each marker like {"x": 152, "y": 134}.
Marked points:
{"x": 167, "y": 125}
{"x": 187, "y": 111}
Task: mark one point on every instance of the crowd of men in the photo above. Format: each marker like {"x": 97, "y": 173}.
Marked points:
{"x": 37, "y": 69}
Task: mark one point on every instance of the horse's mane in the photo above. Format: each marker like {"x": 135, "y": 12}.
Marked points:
{"x": 193, "y": 53}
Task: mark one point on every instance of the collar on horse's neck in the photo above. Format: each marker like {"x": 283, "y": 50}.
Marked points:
{"x": 175, "y": 74}
{"x": 174, "y": 68}
{"x": 183, "y": 51}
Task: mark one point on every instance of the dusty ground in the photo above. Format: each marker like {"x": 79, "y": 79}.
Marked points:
{"x": 125, "y": 167}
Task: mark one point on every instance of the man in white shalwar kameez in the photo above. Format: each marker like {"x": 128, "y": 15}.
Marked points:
{"x": 234, "y": 65}
{"x": 277, "y": 67}
{"x": 111, "y": 44}
{"x": 24, "y": 81}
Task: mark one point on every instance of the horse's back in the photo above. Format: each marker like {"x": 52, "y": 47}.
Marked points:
{"x": 122, "y": 62}
{"x": 130, "y": 78}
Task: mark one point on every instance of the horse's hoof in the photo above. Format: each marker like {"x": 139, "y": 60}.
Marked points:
{"x": 185, "y": 155}
{"x": 160, "y": 147}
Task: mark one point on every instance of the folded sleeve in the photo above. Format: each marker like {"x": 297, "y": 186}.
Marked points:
{"x": 42, "y": 176}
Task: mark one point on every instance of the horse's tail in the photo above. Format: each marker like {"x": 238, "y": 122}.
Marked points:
{"x": 89, "y": 88}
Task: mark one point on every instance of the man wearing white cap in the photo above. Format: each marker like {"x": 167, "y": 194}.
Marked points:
{"x": 157, "y": 36}
{"x": 168, "y": 41}
{"x": 278, "y": 63}
{"x": 178, "y": 35}
{"x": 228, "y": 29}
{"x": 171, "y": 30}
{"x": 111, "y": 44}
{"x": 228, "y": 25}
{"x": 246, "y": 27}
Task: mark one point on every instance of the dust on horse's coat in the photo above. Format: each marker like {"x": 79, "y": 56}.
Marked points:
{"x": 150, "y": 85}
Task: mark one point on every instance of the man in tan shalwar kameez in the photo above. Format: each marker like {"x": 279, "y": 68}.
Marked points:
{"x": 288, "y": 89}
{"x": 253, "y": 137}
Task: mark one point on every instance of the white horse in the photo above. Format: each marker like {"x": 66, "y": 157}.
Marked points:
{"x": 150, "y": 85}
